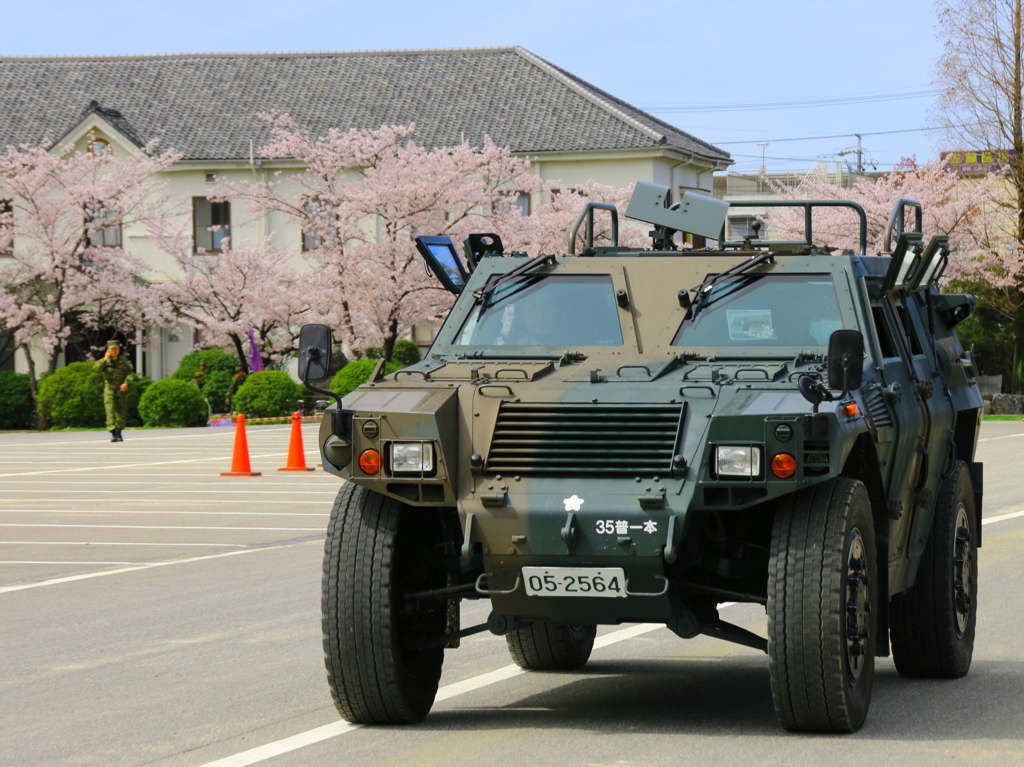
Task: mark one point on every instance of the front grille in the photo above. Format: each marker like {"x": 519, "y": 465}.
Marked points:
{"x": 584, "y": 439}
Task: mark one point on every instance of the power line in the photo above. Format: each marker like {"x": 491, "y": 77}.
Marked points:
{"x": 804, "y": 104}
{"x": 838, "y": 135}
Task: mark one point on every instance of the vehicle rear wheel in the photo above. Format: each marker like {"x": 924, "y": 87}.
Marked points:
{"x": 932, "y": 623}
{"x": 821, "y": 590}
{"x": 376, "y": 673}
{"x": 551, "y": 646}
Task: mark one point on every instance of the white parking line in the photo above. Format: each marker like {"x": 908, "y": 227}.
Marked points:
{"x": 225, "y": 459}
{"x": 328, "y": 731}
{"x": 1000, "y": 518}
{"x": 191, "y": 435}
{"x": 146, "y": 566}
{"x": 158, "y": 527}
{"x": 240, "y": 489}
{"x": 319, "y": 734}
{"x": 115, "y": 543}
{"x": 37, "y": 562}
{"x": 1005, "y": 436}
{"x": 157, "y": 512}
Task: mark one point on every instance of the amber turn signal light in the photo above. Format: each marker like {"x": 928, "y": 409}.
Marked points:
{"x": 783, "y": 466}
{"x": 369, "y": 462}
{"x": 850, "y": 410}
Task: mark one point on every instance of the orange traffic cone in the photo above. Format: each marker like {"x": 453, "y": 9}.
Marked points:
{"x": 296, "y": 455}
{"x": 240, "y": 457}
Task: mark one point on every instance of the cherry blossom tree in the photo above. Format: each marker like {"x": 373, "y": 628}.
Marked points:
{"x": 964, "y": 211}
{"x": 981, "y": 107}
{"x": 254, "y": 285}
{"x": 547, "y": 228}
{"x": 361, "y": 199}
{"x": 61, "y": 229}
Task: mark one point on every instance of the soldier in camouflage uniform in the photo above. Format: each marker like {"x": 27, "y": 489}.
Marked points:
{"x": 236, "y": 384}
{"x": 117, "y": 372}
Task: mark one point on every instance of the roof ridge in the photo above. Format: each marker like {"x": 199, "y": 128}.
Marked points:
{"x": 648, "y": 115}
{"x": 264, "y": 54}
{"x": 577, "y": 87}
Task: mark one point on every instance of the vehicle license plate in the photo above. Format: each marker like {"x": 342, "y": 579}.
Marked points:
{"x": 575, "y": 581}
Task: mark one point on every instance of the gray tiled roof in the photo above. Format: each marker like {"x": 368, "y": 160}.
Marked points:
{"x": 204, "y": 105}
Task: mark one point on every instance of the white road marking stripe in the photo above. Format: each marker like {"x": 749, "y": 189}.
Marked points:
{"x": 33, "y": 562}
{"x": 158, "y": 527}
{"x": 261, "y": 753}
{"x": 145, "y": 566}
{"x": 192, "y": 435}
{"x": 158, "y": 512}
{"x": 149, "y": 483}
{"x": 328, "y": 731}
{"x": 1005, "y": 436}
{"x": 198, "y": 489}
{"x": 226, "y": 460}
{"x": 1000, "y": 518}
{"x": 115, "y": 543}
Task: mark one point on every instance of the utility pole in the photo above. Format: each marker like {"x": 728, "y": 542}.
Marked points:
{"x": 760, "y": 178}
{"x": 860, "y": 155}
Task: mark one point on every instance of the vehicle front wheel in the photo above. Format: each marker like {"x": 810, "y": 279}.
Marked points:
{"x": 378, "y": 669}
{"x": 932, "y": 623}
{"x": 551, "y": 646}
{"x": 822, "y": 588}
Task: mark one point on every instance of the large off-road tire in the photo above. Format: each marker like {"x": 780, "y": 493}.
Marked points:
{"x": 551, "y": 646}
{"x": 932, "y": 623}
{"x": 822, "y": 587}
{"x": 369, "y": 564}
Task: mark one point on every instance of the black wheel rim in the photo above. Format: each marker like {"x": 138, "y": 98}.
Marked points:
{"x": 858, "y": 605}
{"x": 963, "y": 570}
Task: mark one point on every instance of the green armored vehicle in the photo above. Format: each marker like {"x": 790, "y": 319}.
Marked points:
{"x": 644, "y": 435}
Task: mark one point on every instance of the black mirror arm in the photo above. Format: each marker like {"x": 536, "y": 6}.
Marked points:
{"x": 314, "y": 354}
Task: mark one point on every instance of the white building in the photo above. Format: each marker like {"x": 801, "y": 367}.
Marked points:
{"x": 205, "y": 106}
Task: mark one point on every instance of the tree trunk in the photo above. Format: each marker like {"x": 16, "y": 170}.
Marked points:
{"x": 1017, "y": 371}
{"x": 41, "y": 421}
{"x": 389, "y": 341}
{"x": 240, "y": 351}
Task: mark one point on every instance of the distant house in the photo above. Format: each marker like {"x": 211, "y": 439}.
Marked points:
{"x": 205, "y": 106}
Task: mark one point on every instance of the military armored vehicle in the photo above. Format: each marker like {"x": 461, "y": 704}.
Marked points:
{"x": 642, "y": 436}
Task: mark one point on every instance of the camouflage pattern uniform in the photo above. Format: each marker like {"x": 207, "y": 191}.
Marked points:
{"x": 236, "y": 384}
{"x": 115, "y": 401}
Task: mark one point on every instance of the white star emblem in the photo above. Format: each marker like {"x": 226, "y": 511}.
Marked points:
{"x": 573, "y": 504}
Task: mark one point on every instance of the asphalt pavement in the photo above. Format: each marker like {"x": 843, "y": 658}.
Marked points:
{"x": 153, "y": 612}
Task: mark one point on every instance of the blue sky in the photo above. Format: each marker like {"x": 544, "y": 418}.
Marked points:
{"x": 667, "y": 58}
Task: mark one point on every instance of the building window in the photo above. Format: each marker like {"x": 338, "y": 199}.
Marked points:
{"x": 211, "y": 222}
{"x": 740, "y": 227}
{"x": 320, "y": 214}
{"x": 513, "y": 201}
{"x": 99, "y": 147}
{"x": 6, "y": 228}
{"x": 108, "y": 236}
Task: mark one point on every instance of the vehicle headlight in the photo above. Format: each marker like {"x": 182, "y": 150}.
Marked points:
{"x": 412, "y": 458}
{"x": 738, "y": 461}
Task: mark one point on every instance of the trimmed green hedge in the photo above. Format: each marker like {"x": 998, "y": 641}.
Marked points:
{"x": 173, "y": 403}
{"x": 406, "y": 353}
{"x": 17, "y": 410}
{"x": 220, "y": 367}
{"x": 268, "y": 394}
{"x": 72, "y": 397}
{"x": 358, "y": 372}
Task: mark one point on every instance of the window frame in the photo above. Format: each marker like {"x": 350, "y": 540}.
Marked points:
{"x": 207, "y": 229}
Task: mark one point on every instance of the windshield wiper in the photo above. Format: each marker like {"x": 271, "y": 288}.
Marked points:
{"x": 708, "y": 285}
{"x": 483, "y": 294}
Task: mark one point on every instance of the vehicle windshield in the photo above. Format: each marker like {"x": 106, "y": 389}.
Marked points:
{"x": 565, "y": 310}
{"x": 765, "y": 310}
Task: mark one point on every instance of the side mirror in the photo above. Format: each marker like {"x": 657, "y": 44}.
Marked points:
{"x": 315, "y": 344}
{"x": 845, "y": 360}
